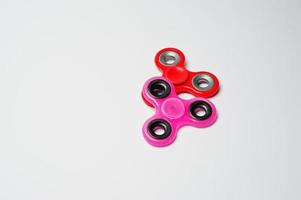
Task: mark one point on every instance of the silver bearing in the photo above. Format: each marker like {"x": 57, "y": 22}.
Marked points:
{"x": 202, "y": 82}
{"x": 169, "y": 58}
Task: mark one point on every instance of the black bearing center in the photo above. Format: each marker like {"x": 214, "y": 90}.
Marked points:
{"x": 159, "y": 88}
{"x": 200, "y": 110}
{"x": 159, "y": 125}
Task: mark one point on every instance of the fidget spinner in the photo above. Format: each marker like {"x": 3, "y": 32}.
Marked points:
{"x": 171, "y": 62}
{"x": 172, "y": 113}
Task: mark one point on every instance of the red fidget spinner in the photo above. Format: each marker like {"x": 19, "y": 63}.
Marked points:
{"x": 171, "y": 62}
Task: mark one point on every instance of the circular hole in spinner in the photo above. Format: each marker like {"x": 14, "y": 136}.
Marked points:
{"x": 169, "y": 58}
{"x": 159, "y": 88}
{"x": 159, "y": 129}
{"x": 202, "y": 82}
{"x": 200, "y": 110}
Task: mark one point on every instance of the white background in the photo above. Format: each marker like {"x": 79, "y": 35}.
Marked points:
{"x": 71, "y": 73}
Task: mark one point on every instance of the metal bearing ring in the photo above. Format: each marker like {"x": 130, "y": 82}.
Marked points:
{"x": 169, "y": 58}
{"x": 159, "y": 88}
{"x": 159, "y": 124}
{"x": 200, "y": 110}
{"x": 202, "y": 82}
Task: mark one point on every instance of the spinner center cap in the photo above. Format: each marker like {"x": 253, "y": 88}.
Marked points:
{"x": 177, "y": 75}
{"x": 173, "y": 108}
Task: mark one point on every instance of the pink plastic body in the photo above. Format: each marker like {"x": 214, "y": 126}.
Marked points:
{"x": 175, "y": 111}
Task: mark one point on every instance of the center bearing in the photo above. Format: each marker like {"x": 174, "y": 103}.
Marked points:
{"x": 177, "y": 75}
{"x": 173, "y": 108}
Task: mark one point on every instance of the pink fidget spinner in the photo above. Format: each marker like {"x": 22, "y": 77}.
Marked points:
{"x": 171, "y": 112}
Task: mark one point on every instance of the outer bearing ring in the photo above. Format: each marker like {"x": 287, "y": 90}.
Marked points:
{"x": 159, "y": 88}
{"x": 159, "y": 123}
{"x": 169, "y": 58}
{"x": 201, "y": 105}
{"x": 198, "y": 79}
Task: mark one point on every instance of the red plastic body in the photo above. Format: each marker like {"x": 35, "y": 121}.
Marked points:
{"x": 182, "y": 78}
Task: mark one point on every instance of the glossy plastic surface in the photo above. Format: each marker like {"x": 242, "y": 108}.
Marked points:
{"x": 173, "y": 110}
